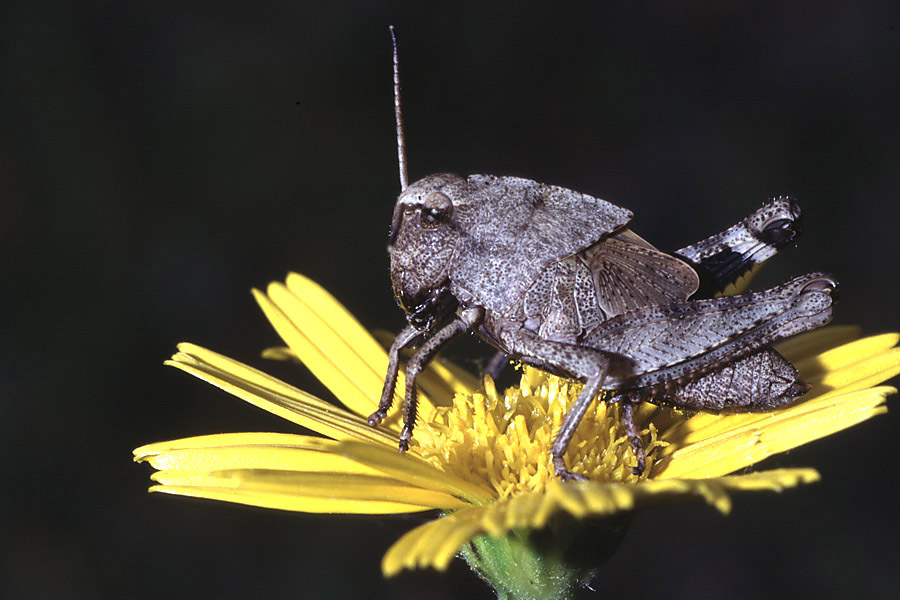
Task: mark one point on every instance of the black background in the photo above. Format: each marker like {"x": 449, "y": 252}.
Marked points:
{"x": 157, "y": 159}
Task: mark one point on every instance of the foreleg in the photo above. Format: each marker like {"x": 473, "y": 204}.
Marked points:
{"x": 403, "y": 339}
{"x": 415, "y": 365}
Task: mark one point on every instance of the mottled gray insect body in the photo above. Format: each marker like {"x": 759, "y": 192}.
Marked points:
{"x": 445, "y": 229}
{"x": 760, "y": 381}
{"x": 616, "y": 273}
{"x": 554, "y": 278}
{"x": 681, "y": 341}
{"x": 706, "y": 354}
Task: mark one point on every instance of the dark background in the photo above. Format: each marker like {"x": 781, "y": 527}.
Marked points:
{"x": 157, "y": 159}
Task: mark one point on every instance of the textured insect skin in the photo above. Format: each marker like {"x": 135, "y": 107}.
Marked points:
{"x": 740, "y": 374}
{"x": 553, "y": 278}
{"x": 726, "y": 261}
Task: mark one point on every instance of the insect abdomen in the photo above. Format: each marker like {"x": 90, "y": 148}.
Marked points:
{"x": 761, "y": 381}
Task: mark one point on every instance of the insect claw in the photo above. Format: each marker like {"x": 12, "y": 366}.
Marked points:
{"x": 405, "y": 436}
{"x": 559, "y": 465}
{"x": 566, "y": 475}
{"x": 637, "y": 447}
{"x": 634, "y": 436}
{"x": 642, "y": 461}
{"x": 496, "y": 365}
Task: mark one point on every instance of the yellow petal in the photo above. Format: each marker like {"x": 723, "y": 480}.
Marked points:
{"x": 303, "y": 492}
{"x": 848, "y": 368}
{"x": 415, "y": 471}
{"x": 745, "y": 439}
{"x": 328, "y": 310}
{"x": 219, "y": 439}
{"x": 320, "y": 312}
{"x": 435, "y": 543}
{"x": 290, "y": 472}
{"x": 321, "y": 349}
{"x": 275, "y": 396}
{"x": 437, "y": 380}
{"x": 274, "y": 451}
{"x": 332, "y": 344}
{"x": 812, "y": 343}
{"x": 858, "y": 375}
{"x": 456, "y": 378}
{"x": 281, "y": 353}
{"x": 846, "y": 355}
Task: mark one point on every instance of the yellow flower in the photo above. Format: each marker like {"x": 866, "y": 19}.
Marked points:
{"x": 482, "y": 457}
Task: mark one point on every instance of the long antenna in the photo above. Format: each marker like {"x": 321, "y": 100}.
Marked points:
{"x": 398, "y": 118}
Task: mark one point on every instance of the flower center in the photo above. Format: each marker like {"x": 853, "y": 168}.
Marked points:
{"x": 505, "y": 440}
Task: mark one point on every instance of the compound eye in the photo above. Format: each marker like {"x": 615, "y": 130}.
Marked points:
{"x": 436, "y": 210}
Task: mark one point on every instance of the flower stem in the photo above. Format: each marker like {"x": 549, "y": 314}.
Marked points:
{"x": 547, "y": 564}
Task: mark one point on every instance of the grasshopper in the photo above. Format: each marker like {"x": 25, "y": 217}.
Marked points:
{"x": 555, "y": 279}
